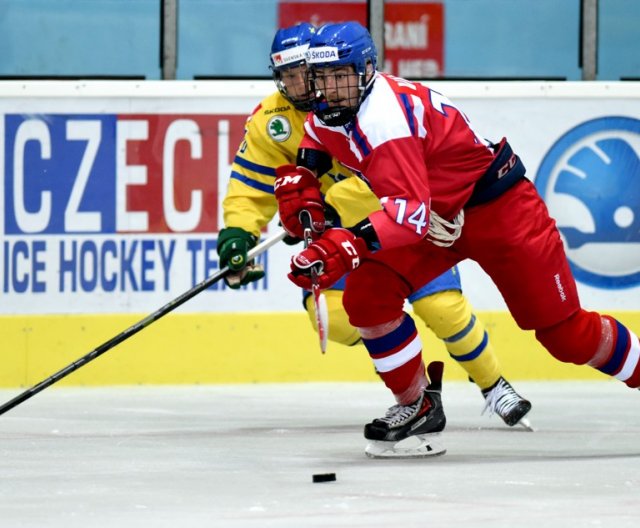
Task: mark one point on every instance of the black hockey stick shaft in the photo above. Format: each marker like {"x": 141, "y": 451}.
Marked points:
{"x": 134, "y": 329}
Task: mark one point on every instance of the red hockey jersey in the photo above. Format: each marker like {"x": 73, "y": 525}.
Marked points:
{"x": 414, "y": 148}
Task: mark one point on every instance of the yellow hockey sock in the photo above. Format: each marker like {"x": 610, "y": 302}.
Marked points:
{"x": 449, "y": 315}
{"x": 340, "y": 330}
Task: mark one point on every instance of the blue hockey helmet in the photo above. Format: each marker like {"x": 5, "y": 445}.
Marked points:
{"x": 288, "y": 50}
{"x": 343, "y": 44}
{"x": 338, "y": 45}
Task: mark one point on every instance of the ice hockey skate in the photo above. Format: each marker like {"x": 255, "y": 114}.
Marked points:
{"x": 410, "y": 431}
{"x": 503, "y": 400}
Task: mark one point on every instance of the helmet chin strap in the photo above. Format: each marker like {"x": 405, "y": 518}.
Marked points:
{"x": 305, "y": 105}
{"x": 334, "y": 116}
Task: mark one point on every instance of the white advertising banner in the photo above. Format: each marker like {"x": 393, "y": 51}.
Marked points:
{"x": 111, "y": 192}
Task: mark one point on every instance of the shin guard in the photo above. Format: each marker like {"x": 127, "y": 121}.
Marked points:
{"x": 619, "y": 353}
{"x": 600, "y": 341}
{"x": 397, "y": 357}
{"x": 449, "y": 314}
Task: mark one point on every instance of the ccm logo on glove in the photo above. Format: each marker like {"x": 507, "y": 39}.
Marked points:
{"x": 335, "y": 253}
{"x": 351, "y": 250}
{"x": 287, "y": 180}
{"x": 297, "y": 189}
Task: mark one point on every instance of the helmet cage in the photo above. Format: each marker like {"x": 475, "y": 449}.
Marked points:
{"x": 288, "y": 51}
{"x": 338, "y": 115}
{"x": 339, "y": 45}
{"x": 304, "y": 103}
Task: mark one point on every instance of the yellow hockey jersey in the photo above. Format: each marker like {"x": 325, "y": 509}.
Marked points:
{"x": 272, "y": 135}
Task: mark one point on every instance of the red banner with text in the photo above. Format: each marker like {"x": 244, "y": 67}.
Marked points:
{"x": 413, "y": 31}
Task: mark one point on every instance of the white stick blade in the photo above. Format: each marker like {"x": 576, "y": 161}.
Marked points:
{"x": 322, "y": 315}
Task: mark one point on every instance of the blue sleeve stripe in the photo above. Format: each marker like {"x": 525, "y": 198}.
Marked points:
{"x": 475, "y": 352}
{"x": 407, "y": 109}
{"x": 362, "y": 144}
{"x": 252, "y": 183}
{"x": 255, "y": 167}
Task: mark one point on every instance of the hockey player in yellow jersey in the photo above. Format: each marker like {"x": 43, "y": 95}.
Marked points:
{"x": 272, "y": 135}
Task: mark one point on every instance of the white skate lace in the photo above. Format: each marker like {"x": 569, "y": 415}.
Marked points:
{"x": 400, "y": 414}
{"x": 501, "y": 400}
{"x": 443, "y": 233}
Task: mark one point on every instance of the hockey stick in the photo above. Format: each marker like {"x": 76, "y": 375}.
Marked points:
{"x": 319, "y": 300}
{"x": 134, "y": 329}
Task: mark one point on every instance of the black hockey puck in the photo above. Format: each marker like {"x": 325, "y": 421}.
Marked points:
{"x": 324, "y": 477}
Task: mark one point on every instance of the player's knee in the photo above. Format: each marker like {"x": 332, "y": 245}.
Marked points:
{"x": 383, "y": 329}
{"x": 340, "y": 330}
{"x": 573, "y": 340}
{"x": 447, "y": 313}
{"x": 366, "y": 303}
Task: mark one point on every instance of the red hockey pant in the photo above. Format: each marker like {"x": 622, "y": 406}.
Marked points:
{"x": 518, "y": 245}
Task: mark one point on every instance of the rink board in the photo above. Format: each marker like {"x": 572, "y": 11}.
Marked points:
{"x": 111, "y": 196}
{"x": 236, "y": 348}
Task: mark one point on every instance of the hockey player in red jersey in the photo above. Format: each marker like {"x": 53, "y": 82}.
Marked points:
{"x": 447, "y": 194}
{"x": 272, "y": 135}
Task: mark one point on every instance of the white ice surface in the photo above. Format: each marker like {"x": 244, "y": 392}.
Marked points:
{"x": 244, "y": 456}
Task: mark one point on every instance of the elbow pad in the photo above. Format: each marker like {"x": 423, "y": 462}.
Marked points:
{"x": 366, "y": 231}
{"x": 314, "y": 160}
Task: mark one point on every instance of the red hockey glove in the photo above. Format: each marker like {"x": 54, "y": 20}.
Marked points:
{"x": 337, "y": 252}
{"x": 297, "y": 189}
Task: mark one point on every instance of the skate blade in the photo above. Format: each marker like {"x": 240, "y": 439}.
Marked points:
{"x": 526, "y": 424}
{"x": 413, "y": 447}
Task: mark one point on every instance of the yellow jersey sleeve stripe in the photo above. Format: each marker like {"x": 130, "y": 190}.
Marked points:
{"x": 255, "y": 167}
{"x": 252, "y": 183}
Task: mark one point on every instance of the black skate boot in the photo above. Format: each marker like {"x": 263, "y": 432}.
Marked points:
{"x": 420, "y": 421}
{"x": 503, "y": 400}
